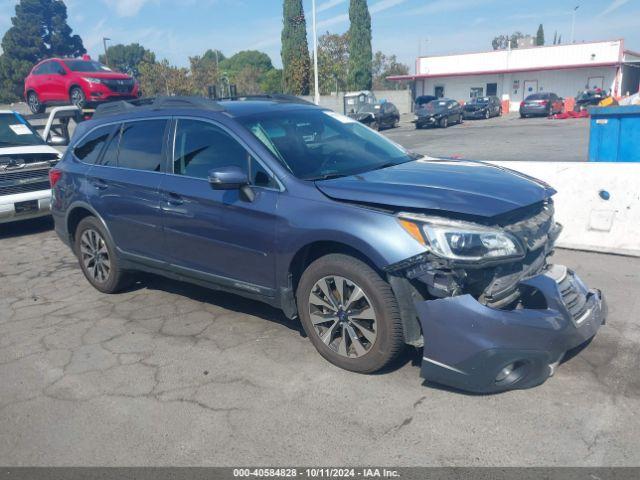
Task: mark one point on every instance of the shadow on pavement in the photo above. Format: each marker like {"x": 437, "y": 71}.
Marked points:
{"x": 25, "y": 227}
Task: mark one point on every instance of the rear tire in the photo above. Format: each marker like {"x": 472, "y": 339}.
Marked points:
{"x": 34, "y": 103}
{"x": 350, "y": 314}
{"x": 77, "y": 97}
{"x": 97, "y": 258}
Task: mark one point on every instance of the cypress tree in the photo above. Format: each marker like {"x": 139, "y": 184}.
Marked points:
{"x": 296, "y": 63}
{"x": 39, "y": 30}
{"x": 360, "y": 53}
{"x": 540, "y": 36}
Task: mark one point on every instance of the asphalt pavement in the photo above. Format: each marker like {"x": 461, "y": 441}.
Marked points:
{"x": 172, "y": 374}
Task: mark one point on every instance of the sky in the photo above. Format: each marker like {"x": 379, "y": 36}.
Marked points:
{"x": 177, "y": 29}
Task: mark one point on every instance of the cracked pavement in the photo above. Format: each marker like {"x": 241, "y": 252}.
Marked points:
{"x": 172, "y": 374}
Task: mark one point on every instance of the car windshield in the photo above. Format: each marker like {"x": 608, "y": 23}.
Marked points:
{"x": 369, "y": 108}
{"x": 480, "y": 100}
{"x": 16, "y": 132}
{"x": 320, "y": 144}
{"x": 86, "y": 66}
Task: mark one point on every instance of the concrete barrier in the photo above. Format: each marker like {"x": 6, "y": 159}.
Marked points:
{"x": 597, "y": 203}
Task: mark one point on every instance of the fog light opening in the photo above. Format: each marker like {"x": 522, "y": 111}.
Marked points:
{"x": 511, "y": 373}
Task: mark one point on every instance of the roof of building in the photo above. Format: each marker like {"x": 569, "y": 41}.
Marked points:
{"x": 552, "y": 57}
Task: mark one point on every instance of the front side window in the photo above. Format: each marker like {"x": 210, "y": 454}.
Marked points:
{"x": 88, "y": 150}
{"x": 141, "y": 145}
{"x": 318, "y": 144}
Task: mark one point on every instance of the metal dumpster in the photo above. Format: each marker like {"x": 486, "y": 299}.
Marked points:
{"x": 614, "y": 134}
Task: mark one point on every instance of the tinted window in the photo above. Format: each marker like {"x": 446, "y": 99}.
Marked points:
{"x": 86, "y": 66}
{"x": 56, "y": 68}
{"x": 260, "y": 177}
{"x": 41, "y": 69}
{"x": 110, "y": 155}
{"x": 201, "y": 146}
{"x": 88, "y": 150}
{"x": 141, "y": 145}
{"x": 538, "y": 96}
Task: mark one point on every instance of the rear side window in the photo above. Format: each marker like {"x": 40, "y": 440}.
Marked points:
{"x": 88, "y": 150}
{"x": 141, "y": 145}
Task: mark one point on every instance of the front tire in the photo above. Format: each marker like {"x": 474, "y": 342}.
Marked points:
{"x": 444, "y": 122}
{"x": 34, "y": 103}
{"x": 77, "y": 97}
{"x": 350, "y": 314}
{"x": 97, "y": 259}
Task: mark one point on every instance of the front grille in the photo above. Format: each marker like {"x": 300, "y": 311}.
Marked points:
{"x": 18, "y": 159}
{"x": 534, "y": 231}
{"x": 119, "y": 86}
{"x": 29, "y": 187}
{"x": 574, "y": 298}
{"x": 24, "y": 181}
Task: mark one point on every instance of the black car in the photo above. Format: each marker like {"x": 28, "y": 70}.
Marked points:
{"x": 378, "y": 116}
{"x": 441, "y": 113}
{"x": 482, "y": 107}
{"x": 423, "y": 100}
{"x": 588, "y": 98}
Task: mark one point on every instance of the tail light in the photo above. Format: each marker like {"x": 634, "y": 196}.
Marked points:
{"x": 522, "y": 104}
{"x": 54, "y": 176}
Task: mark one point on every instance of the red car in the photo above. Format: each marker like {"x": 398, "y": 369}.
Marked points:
{"x": 77, "y": 81}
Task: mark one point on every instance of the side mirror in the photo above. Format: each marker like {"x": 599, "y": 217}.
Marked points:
{"x": 227, "y": 178}
{"x": 57, "y": 141}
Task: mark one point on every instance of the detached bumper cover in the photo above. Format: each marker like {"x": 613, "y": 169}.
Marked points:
{"x": 467, "y": 344}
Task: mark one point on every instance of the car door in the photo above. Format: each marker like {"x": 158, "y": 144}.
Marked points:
{"x": 42, "y": 82}
{"x": 57, "y": 82}
{"x": 219, "y": 235}
{"x": 125, "y": 187}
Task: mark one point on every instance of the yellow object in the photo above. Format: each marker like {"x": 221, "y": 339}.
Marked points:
{"x": 607, "y": 102}
{"x": 413, "y": 230}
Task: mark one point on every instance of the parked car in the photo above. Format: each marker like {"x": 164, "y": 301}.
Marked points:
{"x": 423, "y": 100}
{"x": 80, "y": 82}
{"x": 25, "y": 162}
{"x": 441, "y": 112}
{"x": 541, "y": 104}
{"x": 482, "y": 107}
{"x": 378, "y": 116}
{"x": 371, "y": 246}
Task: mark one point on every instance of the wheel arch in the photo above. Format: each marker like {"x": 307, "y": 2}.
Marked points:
{"x": 76, "y": 213}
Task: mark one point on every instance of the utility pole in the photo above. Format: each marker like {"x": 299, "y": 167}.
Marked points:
{"x": 573, "y": 22}
{"x": 315, "y": 54}
{"x": 106, "y": 55}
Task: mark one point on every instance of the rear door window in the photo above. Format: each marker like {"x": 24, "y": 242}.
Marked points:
{"x": 141, "y": 145}
{"x": 89, "y": 149}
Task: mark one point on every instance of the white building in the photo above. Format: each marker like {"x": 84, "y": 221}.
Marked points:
{"x": 514, "y": 74}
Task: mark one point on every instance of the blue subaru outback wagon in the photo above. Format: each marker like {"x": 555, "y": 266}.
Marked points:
{"x": 371, "y": 246}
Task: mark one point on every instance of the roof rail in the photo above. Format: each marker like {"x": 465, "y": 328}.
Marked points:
{"x": 155, "y": 103}
{"x": 277, "y": 97}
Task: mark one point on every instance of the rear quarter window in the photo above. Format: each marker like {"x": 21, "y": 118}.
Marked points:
{"x": 141, "y": 145}
{"x": 89, "y": 148}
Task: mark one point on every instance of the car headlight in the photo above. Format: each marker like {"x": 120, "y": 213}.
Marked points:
{"x": 93, "y": 80}
{"x": 458, "y": 240}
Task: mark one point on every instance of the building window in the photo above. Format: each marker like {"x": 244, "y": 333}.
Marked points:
{"x": 476, "y": 92}
{"x": 438, "y": 91}
{"x": 492, "y": 89}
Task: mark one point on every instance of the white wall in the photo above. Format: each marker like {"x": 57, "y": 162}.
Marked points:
{"x": 522, "y": 58}
{"x": 591, "y": 223}
{"x": 400, "y": 98}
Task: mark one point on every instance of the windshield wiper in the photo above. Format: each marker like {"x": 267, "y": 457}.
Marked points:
{"x": 328, "y": 176}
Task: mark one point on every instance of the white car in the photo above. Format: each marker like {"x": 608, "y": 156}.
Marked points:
{"x": 25, "y": 161}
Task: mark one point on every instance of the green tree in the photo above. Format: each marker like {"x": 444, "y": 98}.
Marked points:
{"x": 295, "y": 49}
{"x": 502, "y": 42}
{"x": 540, "y": 36}
{"x": 162, "y": 78}
{"x": 333, "y": 62}
{"x": 272, "y": 81}
{"x": 384, "y": 66}
{"x": 127, "y": 58}
{"x": 39, "y": 30}
{"x": 246, "y": 58}
{"x": 360, "y": 53}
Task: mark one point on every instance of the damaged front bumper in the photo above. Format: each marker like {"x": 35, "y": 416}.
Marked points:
{"x": 477, "y": 348}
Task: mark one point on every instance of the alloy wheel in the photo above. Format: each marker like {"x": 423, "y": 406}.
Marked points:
{"x": 95, "y": 255}
{"x": 34, "y": 102}
{"x": 77, "y": 97}
{"x": 343, "y": 316}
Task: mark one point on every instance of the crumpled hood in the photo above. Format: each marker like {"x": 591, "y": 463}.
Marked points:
{"x": 462, "y": 187}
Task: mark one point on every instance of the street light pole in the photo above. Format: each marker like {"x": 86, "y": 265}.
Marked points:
{"x": 315, "y": 54}
{"x": 573, "y": 22}
{"x": 106, "y": 55}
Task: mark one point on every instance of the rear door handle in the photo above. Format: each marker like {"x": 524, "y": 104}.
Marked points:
{"x": 99, "y": 183}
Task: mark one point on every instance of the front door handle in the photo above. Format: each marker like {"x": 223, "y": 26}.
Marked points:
{"x": 174, "y": 199}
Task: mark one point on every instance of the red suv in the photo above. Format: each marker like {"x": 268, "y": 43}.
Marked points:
{"x": 81, "y": 82}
